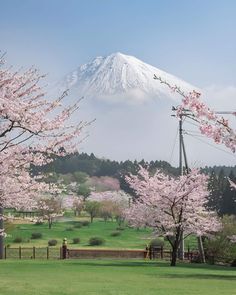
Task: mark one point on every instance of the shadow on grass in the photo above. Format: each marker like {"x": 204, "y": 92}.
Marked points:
{"x": 112, "y": 263}
{"x": 199, "y": 276}
{"x": 156, "y": 264}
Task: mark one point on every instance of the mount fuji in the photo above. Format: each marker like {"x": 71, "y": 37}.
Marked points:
{"x": 132, "y": 111}
{"x": 119, "y": 77}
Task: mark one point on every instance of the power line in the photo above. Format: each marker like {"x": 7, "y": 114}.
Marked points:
{"x": 173, "y": 146}
{"x": 196, "y": 137}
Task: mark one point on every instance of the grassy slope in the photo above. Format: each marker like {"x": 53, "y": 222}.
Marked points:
{"x": 108, "y": 277}
{"x": 129, "y": 238}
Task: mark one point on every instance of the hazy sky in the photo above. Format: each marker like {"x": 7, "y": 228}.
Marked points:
{"x": 194, "y": 40}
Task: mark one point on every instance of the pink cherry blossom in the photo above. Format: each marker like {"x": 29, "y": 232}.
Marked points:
{"x": 171, "y": 205}
{"x": 32, "y": 131}
{"x": 210, "y": 124}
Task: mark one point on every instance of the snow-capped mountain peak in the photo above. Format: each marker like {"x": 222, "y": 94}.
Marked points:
{"x": 118, "y": 75}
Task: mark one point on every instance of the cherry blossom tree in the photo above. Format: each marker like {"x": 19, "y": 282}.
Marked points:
{"x": 210, "y": 124}
{"x": 49, "y": 208}
{"x": 232, "y": 184}
{"x": 171, "y": 206}
{"x": 112, "y": 204}
{"x": 32, "y": 131}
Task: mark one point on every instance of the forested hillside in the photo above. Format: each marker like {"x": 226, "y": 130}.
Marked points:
{"x": 222, "y": 198}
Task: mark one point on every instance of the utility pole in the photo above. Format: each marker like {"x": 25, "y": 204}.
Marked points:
{"x": 181, "y": 148}
{"x": 182, "y": 152}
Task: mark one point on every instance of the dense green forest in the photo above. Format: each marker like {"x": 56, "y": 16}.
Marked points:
{"x": 222, "y": 197}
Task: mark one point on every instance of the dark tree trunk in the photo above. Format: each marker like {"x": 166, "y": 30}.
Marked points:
{"x": 181, "y": 246}
{"x": 50, "y": 222}
{"x": 174, "y": 256}
{"x": 1, "y": 235}
{"x": 175, "y": 245}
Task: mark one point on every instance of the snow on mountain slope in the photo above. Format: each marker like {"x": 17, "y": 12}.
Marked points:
{"x": 119, "y": 75}
{"x": 115, "y": 88}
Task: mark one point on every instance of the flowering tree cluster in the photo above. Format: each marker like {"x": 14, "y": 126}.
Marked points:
{"x": 232, "y": 184}
{"x": 49, "y": 208}
{"x": 73, "y": 202}
{"x": 32, "y": 130}
{"x": 210, "y": 124}
{"x": 112, "y": 204}
{"x": 171, "y": 206}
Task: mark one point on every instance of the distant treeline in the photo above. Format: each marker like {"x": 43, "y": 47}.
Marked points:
{"x": 222, "y": 199}
{"x": 94, "y": 166}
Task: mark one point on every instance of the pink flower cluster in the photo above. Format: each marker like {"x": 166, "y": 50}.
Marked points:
{"x": 32, "y": 131}
{"x": 170, "y": 205}
{"x": 210, "y": 124}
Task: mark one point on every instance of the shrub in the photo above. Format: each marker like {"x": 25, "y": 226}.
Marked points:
{"x": 36, "y": 236}
{"x": 52, "y": 242}
{"x": 18, "y": 240}
{"x": 78, "y": 225}
{"x": 120, "y": 228}
{"x": 96, "y": 241}
{"x": 156, "y": 243}
{"x": 115, "y": 233}
{"x": 38, "y": 223}
{"x": 85, "y": 223}
{"x": 76, "y": 240}
{"x": 233, "y": 263}
{"x": 69, "y": 228}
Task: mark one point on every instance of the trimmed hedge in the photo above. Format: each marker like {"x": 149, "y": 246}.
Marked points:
{"x": 96, "y": 241}
{"x": 76, "y": 240}
{"x": 52, "y": 242}
{"x": 115, "y": 233}
{"x": 156, "y": 243}
{"x": 18, "y": 240}
{"x": 36, "y": 236}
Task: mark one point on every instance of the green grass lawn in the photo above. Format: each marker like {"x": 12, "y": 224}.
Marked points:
{"x": 129, "y": 238}
{"x": 113, "y": 277}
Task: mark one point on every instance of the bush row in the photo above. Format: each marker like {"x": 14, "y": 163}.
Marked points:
{"x": 93, "y": 241}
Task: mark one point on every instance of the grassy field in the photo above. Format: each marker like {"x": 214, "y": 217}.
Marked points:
{"x": 109, "y": 277}
{"x": 129, "y": 238}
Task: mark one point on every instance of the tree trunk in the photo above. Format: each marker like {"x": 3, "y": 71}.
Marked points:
{"x": 50, "y": 222}
{"x": 91, "y": 218}
{"x": 201, "y": 250}
{"x": 174, "y": 256}
{"x": 181, "y": 246}
{"x": 175, "y": 247}
{"x": 1, "y": 234}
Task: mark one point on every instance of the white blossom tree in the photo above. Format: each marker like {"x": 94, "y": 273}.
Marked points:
{"x": 32, "y": 131}
{"x": 112, "y": 204}
{"x": 50, "y": 207}
{"x": 171, "y": 206}
{"x": 211, "y": 124}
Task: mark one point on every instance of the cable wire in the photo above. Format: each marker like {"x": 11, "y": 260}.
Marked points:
{"x": 173, "y": 147}
{"x": 194, "y": 136}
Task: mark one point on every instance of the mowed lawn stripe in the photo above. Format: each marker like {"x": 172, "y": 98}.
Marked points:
{"x": 105, "y": 277}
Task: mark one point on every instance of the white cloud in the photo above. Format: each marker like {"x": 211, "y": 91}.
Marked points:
{"x": 220, "y": 97}
{"x": 146, "y": 129}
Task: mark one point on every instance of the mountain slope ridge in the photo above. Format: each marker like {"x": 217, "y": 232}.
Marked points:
{"x": 118, "y": 75}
